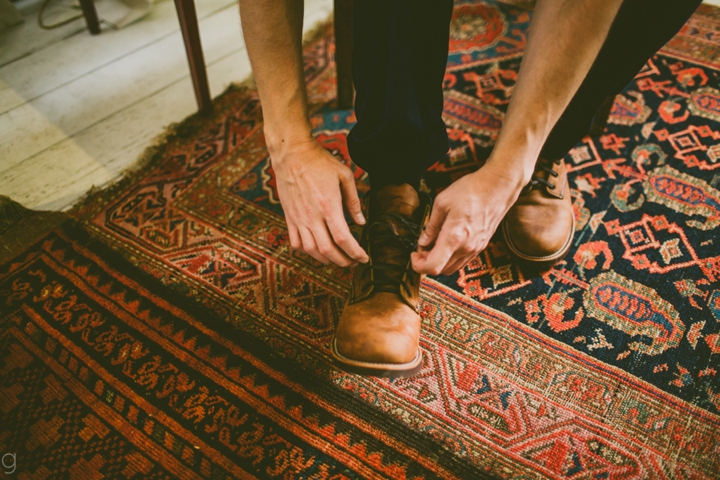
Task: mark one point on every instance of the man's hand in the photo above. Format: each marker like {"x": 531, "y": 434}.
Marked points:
{"x": 313, "y": 186}
{"x": 464, "y": 218}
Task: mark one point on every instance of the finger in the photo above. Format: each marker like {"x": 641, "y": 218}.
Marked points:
{"x": 295, "y": 241}
{"x": 310, "y": 247}
{"x": 327, "y": 248}
{"x": 342, "y": 237}
{"x": 459, "y": 258}
{"x": 350, "y": 197}
{"x": 435, "y": 261}
{"x": 418, "y": 260}
{"x": 458, "y": 264}
{"x": 433, "y": 226}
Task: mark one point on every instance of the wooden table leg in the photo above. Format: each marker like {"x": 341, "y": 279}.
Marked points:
{"x": 91, "y": 16}
{"x": 193, "y": 48}
{"x": 343, "y": 52}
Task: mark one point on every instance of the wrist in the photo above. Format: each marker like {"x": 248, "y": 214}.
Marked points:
{"x": 515, "y": 163}
{"x": 281, "y": 142}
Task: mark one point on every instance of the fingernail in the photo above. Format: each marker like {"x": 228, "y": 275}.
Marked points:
{"x": 359, "y": 218}
{"x": 423, "y": 240}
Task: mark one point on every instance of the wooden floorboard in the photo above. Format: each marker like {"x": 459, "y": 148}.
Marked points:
{"x": 102, "y": 92}
{"x": 22, "y": 40}
{"x": 64, "y": 61}
{"x": 88, "y": 124}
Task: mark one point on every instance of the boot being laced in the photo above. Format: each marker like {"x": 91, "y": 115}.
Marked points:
{"x": 379, "y": 329}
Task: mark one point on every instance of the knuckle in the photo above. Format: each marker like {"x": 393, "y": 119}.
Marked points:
{"x": 457, "y": 238}
{"x": 323, "y": 250}
{"x": 340, "y": 240}
{"x": 481, "y": 246}
{"x": 324, "y": 206}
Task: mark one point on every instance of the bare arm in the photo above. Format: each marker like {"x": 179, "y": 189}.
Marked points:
{"x": 565, "y": 37}
{"x": 312, "y": 184}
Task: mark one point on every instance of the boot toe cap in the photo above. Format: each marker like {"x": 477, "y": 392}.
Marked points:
{"x": 381, "y": 347}
{"x": 538, "y": 240}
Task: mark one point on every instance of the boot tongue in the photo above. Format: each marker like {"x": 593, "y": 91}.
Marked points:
{"x": 402, "y": 199}
{"x": 386, "y": 250}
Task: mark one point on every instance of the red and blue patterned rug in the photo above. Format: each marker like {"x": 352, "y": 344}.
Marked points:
{"x": 604, "y": 367}
{"x": 106, "y": 373}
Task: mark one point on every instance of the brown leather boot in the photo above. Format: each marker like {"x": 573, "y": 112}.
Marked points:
{"x": 539, "y": 228}
{"x": 379, "y": 329}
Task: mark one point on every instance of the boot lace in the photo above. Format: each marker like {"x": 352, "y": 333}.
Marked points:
{"x": 542, "y": 174}
{"x": 383, "y": 235}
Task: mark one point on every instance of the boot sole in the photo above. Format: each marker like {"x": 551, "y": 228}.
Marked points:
{"x": 386, "y": 370}
{"x": 539, "y": 262}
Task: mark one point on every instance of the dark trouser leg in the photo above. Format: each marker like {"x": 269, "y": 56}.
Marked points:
{"x": 400, "y": 52}
{"x": 640, "y": 29}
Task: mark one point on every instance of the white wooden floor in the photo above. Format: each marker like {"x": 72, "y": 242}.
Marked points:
{"x": 76, "y": 110}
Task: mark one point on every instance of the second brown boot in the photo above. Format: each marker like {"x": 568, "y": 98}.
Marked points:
{"x": 379, "y": 330}
{"x": 540, "y": 225}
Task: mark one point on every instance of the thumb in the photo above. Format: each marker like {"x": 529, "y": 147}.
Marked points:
{"x": 350, "y": 197}
{"x": 433, "y": 226}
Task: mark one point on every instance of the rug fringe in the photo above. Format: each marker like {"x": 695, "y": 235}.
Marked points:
{"x": 11, "y": 212}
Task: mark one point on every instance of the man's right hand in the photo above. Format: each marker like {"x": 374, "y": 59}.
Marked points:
{"x": 311, "y": 183}
{"x": 313, "y": 187}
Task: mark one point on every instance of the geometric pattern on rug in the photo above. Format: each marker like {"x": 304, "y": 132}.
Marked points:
{"x": 108, "y": 374}
{"x": 604, "y": 366}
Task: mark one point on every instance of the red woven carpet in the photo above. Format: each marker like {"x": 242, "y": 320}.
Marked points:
{"x": 606, "y": 367}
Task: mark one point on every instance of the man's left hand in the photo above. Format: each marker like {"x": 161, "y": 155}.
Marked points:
{"x": 464, "y": 218}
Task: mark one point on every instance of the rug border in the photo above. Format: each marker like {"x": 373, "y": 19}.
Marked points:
{"x": 314, "y": 383}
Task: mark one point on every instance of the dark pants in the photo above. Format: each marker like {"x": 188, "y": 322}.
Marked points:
{"x": 399, "y": 57}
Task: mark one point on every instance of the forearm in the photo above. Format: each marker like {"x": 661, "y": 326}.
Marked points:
{"x": 273, "y": 35}
{"x": 564, "y": 40}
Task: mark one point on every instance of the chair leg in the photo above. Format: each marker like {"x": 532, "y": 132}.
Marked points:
{"x": 193, "y": 48}
{"x": 91, "y": 16}
{"x": 343, "y": 52}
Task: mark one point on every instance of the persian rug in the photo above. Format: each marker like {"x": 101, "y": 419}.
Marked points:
{"x": 107, "y": 373}
{"x": 606, "y": 366}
